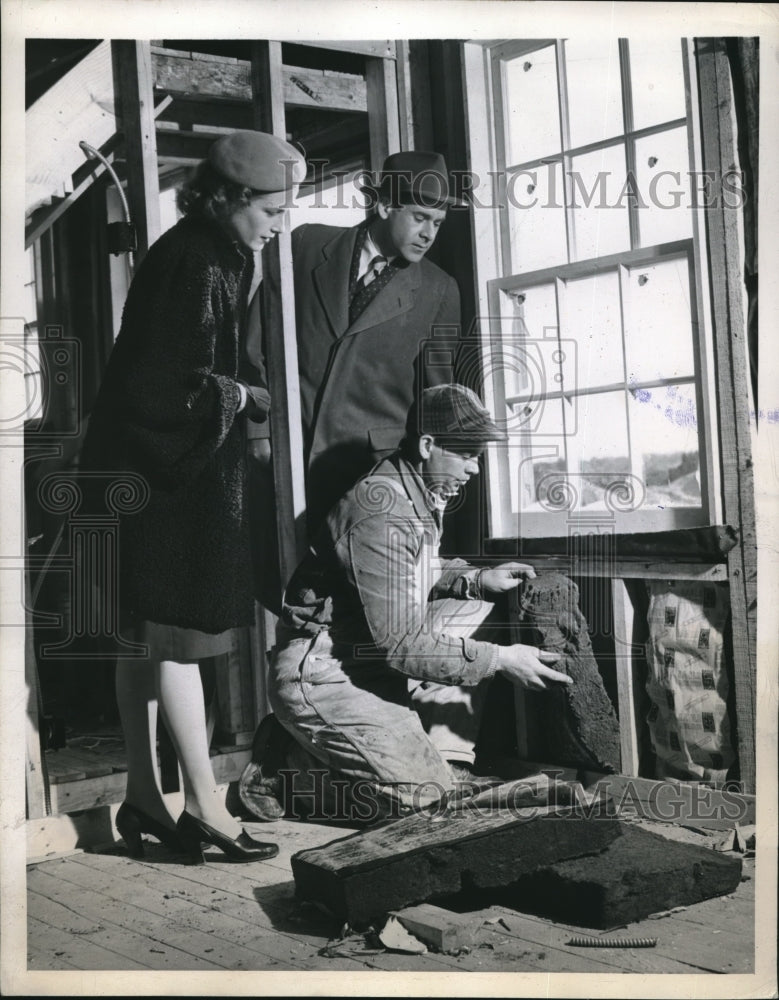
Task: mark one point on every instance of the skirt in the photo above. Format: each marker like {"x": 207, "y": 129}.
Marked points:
{"x": 182, "y": 645}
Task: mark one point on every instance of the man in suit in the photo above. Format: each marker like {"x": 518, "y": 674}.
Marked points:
{"x": 376, "y": 323}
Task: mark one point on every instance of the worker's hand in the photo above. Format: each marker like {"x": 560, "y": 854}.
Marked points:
{"x": 259, "y": 451}
{"x": 527, "y": 666}
{"x": 505, "y": 577}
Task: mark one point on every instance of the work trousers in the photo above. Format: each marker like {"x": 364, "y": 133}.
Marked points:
{"x": 386, "y": 737}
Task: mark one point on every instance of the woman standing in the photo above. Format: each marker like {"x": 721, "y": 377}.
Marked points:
{"x": 172, "y": 409}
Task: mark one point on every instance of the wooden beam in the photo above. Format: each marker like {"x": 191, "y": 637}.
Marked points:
{"x": 726, "y": 263}
{"x": 384, "y": 48}
{"x": 232, "y": 78}
{"x": 383, "y": 120}
{"x": 133, "y": 83}
{"x": 628, "y": 680}
{"x": 405, "y": 96}
{"x": 278, "y": 321}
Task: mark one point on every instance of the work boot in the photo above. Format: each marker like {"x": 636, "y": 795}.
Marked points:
{"x": 260, "y": 786}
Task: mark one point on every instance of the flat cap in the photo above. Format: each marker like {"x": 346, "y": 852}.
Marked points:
{"x": 453, "y": 414}
{"x": 261, "y": 161}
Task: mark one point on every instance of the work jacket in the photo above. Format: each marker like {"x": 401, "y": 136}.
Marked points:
{"x": 372, "y": 579}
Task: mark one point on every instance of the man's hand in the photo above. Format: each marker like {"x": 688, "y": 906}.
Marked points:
{"x": 505, "y": 577}
{"x": 526, "y": 666}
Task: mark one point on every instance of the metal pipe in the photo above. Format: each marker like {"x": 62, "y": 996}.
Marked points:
{"x": 95, "y": 154}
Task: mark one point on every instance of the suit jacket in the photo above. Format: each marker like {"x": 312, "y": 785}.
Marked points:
{"x": 358, "y": 380}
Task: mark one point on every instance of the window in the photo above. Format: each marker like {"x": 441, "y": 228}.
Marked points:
{"x": 595, "y": 347}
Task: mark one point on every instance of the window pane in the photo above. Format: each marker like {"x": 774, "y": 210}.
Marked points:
{"x": 532, "y": 360}
{"x": 541, "y": 454}
{"x": 532, "y": 107}
{"x": 663, "y": 175}
{"x": 600, "y": 207}
{"x": 598, "y": 457}
{"x": 592, "y": 317}
{"x": 594, "y": 90}
{"x": 658, "y": 322}
{"x": 657, "y": 81}
{"x": 529, "y": 312}
{"x": 537, "y": 218}
{"x": 664, "y": 434}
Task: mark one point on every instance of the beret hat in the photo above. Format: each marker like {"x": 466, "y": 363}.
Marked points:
{"x": 261, "y": 161}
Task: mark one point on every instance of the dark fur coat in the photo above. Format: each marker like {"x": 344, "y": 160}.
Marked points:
{"x": 167, "y": 411}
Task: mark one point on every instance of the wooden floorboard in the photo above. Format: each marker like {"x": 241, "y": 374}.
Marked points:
{"x": 107, "y": 911}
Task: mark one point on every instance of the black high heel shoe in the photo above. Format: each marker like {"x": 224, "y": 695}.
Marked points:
{"x": 194, "y": 833}
{"x": 131, "y": 822}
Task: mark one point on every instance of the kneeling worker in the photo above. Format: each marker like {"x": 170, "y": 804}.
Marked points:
{"x": 378, "y": 634}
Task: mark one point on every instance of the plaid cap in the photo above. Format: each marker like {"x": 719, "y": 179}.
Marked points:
{"x": 452, "y": 414}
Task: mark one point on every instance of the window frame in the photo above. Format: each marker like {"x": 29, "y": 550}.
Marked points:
{"x": 484, "y": 64}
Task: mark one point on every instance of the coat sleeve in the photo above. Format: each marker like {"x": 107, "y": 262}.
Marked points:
{"x": 178, "y": 410}
{"x": 381, "y": 554}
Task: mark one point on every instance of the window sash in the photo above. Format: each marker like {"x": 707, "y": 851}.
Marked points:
{"x": 486, "y": 122}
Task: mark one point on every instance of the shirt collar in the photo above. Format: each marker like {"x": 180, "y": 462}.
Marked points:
{"x": 368, "y": 252}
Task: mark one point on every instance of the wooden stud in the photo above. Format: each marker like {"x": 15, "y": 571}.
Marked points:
{"x": 719, "y": 155}
{"x": 134, "y": 88}
{"x": 405, "y": 96}
{"x": 278, "y": 321}
{"x": 383, "y": 121}
{"x": 628, "y": 679}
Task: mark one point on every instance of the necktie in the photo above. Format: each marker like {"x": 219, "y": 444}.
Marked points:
{"x": 375, "y": 268}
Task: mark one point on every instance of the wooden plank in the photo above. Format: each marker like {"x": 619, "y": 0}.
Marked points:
{"x": 124, "y": 929}
{"x": 220, "y": 900}
{"x": 87, "y": 793}
{"x": 209, "y": 908}
{"x": 628, "y": 679}
{"x": 134, "y": 88}
{"x": 69, "y": 794}
{"x": 384, "y": 48}
{"x": 89, "y": 764}
{"x": 44, "y": 960}
{"x": 629, "y": 569}
{"x": 177, "y": 929}
{"x": 405, "y": 96}
{"x": 61, "y": 767}
{"x": 227, "y": 78}
{"x": 78, "y": 106}
{"x": 719, "y": 154}
{"x": 664, "y": 958}
{"x": 77, "y": 950}
{"x": 382, "y": 100}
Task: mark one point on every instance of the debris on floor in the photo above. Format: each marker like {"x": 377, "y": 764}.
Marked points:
{"x": 395, "y": 937}
{"x": 740, "y": 840}
{"x": 443, "y": 930}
